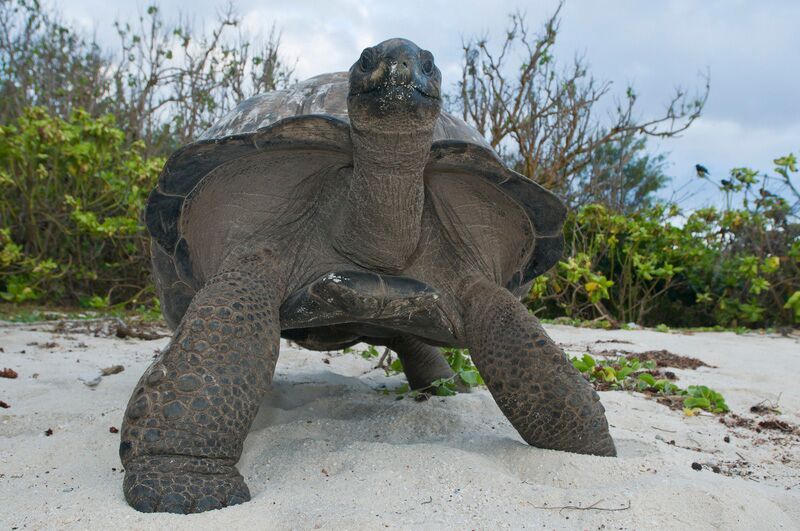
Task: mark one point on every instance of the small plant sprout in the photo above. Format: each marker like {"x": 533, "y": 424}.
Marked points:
{"x": 631, "y": 374}
{"x": 466, "y": 375}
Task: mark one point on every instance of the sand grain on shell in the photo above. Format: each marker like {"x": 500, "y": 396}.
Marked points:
{"x": 329, "y": 450}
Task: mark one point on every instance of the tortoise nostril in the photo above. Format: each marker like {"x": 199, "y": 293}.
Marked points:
{"x": 405, "y": 64}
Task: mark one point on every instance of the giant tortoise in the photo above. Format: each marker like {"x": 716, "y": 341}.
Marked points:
{"x": 349, "y": 208}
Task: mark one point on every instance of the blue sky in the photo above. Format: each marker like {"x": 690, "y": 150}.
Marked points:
{"x": 750, "y": 48}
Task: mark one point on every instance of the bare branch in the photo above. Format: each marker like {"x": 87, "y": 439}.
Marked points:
{"x": 543, "y": 120}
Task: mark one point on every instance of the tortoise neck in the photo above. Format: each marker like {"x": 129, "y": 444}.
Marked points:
{"x": 381, "y": 219}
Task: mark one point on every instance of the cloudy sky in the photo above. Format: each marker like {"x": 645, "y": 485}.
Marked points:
{"x": 750, "y": 48}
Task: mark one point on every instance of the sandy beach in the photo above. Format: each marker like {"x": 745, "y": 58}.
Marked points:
{"x": 331, "y": 450}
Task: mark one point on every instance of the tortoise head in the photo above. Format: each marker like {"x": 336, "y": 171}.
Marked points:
{"x": 395, "y": 87}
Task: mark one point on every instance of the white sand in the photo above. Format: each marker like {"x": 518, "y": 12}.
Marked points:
{"x": 329, "y": 451}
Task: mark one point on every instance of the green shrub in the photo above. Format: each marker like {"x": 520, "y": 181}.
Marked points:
{"x": 729, "y": 267}
{"x": 71, "y": 195}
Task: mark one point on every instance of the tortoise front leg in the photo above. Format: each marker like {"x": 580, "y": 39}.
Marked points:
{"x": 422, "y": 363}
{"x": 188, "y": 417}
{"x": 543, "y": 396}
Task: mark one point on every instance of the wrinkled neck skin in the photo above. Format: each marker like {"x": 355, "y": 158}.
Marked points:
{"x": 380, "y": 222}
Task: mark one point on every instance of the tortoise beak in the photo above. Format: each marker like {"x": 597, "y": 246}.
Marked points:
{"x": 404, "y": 71}
{"x": 398, "y": 71}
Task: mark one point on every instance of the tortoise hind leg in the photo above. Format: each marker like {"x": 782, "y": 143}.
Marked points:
{"x": 188, "y": 417}
{"x": 543, "y": 396}
{"x": 422, "y": 363}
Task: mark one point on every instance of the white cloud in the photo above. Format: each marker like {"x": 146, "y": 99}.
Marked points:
{"x": 324, "y": 40}
{"x": 751, "y": 49}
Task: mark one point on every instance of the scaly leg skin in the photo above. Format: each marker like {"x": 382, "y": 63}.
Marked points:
{"x": 543, "y": 396}
{"x": 188, "y": 417}
{"x": 422, "y": 363}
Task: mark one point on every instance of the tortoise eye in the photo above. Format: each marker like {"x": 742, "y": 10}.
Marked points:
{"x": 427, "y": 62}
{"x": 367, "y": 60}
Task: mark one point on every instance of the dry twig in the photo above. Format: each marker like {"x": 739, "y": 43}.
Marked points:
{"x": 592, "y": 507}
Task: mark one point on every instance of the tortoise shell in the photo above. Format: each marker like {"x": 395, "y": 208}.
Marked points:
{"x": 306, "y": 128}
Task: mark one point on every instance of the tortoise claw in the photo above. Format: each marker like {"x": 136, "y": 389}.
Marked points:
{"x": 155, "y": 487}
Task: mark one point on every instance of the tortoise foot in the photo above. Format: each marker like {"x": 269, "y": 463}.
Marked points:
{"x": 181, "y": 485}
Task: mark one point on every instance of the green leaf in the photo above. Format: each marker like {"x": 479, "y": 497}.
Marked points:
{"x": 444, "y": 391}
{"x": 648, "y": 379}
{"x": 396, "y": 366}
{"x": 469, "y": 377}
{"x": 624, "y": 372}
{"x": 793, "y": 303}
{"x": 457, "y": 361}
{"x": 693, "y": 402}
